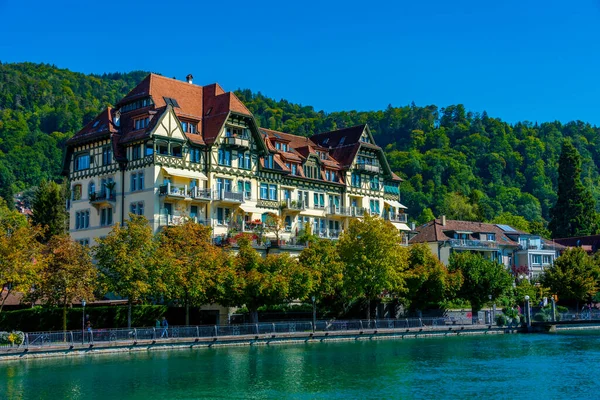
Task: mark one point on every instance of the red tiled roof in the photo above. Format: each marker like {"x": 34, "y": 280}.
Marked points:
{"x": 95, "y": 129}
{"x": 434, "y": 231}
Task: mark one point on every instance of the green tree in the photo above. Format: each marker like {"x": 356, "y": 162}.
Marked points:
{"x": 458, "y": 207}
{"x": 426, "y": 216}
{"x": 482, "y": 278}
{"x": 574, "y": 213}
{"x": 573, "y": 276}
{"x": 429, "y": 283}
{"x": 374, "y": 261}
{"x": 126, "y": 260}
{"x": 21, "y": 257}
{"x": 186, "y": 263}
{"x": 515, "y": 221}
{"x": 48, "y": 208}
{"x": 68, "y": 274}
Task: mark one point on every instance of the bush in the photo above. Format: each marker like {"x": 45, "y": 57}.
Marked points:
{"x": 500, "y": 320}
{"x": 541, "y": 317}
{"x": 13, "y": 338}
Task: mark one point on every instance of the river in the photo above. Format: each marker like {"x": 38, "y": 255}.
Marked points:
{"x": 536, "y": 366}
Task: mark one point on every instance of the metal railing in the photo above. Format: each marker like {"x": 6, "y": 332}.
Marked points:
{"x": 471, "y": 243}
{"x": 224, "y": 195}
{"x": 98, "y": 337}
{"x": 397, "y": 217}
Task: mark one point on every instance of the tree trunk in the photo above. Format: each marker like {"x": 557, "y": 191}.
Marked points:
{"x": 129, "y": 304}
{"x": 253, "y": 315}
{"x": 64, "y": 316}
{"x": 187, "y": 313}
{"x": 4, "y": 299}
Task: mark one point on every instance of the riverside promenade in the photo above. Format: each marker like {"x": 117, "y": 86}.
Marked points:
{"x": 78, "y": 343}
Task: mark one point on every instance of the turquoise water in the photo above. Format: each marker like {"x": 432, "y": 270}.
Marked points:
{"x": 561, "y": 366}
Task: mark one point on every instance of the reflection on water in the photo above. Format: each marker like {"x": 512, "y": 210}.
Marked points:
{"x": 503, "y": 366}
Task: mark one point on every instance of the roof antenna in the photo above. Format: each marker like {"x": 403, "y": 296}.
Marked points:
{"x": 189, "y": 78}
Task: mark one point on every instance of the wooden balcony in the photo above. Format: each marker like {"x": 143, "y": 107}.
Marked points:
{"x": 237, "y": 141}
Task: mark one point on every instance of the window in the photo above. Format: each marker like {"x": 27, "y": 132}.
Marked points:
{"x": 141, "y": 123}
{"x": 272, "y": 192}
{"x": 547, "y": 260}
{"x": 319, "y": 200}
{"x": 284, "y": 147}
{"x": 536, "y": 259}
{"x": 163, "y": 149}
{"x": 303, "y": 197}
{"x": 356, "y": 180}
{"x": 137, "y": 181}
{"x": 106, "y": 155}
{"x": 82, "y": 219}
{"x": 375, "y": 183}
{"x": 334, "y": 201}
{"x": 195, "y": 155}
{"x": 491, "y": 237}
{"x": 287, "y": 194}
{"x": 193, "y": 211}
{"x": 137, "y": 208}
{"x": 106, "y": 216}
{"x": 188, "y": 127}
{"x": 82, "y": 161}
{"x": 136, "y": 152}
{"x": 244, "y": 160}
{"x": 225, "y": 157}
{"x": 84, "y": 242}
{"x": 264, "y": 191}
{"x": 76, "y": 192}
{"x": 224, "y": 184}
{"x": 223, "y": 215}
{"x": 91, "y": 188}
{"x": 278, "y": 145}
{"x": 137, "y": 104}
{"x": 269, "y": 161}
{"x": 176, "y": 151}
{"x": 294, "y": 169}
{"x": 374, "y": 206}
{"x": 149, "y": 149}
{"x": 245, "y": 187}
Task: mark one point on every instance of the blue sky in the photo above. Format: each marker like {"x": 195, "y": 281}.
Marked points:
{"x": 518, "y": 60}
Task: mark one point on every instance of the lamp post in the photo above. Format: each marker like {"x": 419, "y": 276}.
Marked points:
{"x": 314, "y": 313}
{"x": 83, "y": 322}
{"x": 527, "y": 311}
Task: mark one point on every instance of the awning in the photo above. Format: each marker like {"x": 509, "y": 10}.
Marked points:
{"x": 185, "y": 173}
{"x": 402, "y": 227}
{"x": 394, "y": 203}
{"x": 250, "y": 208}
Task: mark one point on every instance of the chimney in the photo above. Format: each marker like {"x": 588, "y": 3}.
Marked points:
{"x": 443, "y": 220}
{"x": 189, "y": 78}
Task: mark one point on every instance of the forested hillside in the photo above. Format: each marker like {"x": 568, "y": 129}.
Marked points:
{"x": 467, "y": 165}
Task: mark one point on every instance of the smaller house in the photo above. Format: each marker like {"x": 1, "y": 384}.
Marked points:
{"x": 496, "y": 242}
{"x": 590, "y": 244}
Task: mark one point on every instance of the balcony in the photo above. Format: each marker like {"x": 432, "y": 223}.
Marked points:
{"x": 339, "y": 211}
{"x": 292, "y": 205}
{"x": 174, "y": 220}
{"x": 237, "y": 141}
{"x": 104, "y": 197}
{"x": 176, "y": 192}
{"x": 358, "y": 211}
{"x": 402, "y": 218}
{"x": 200, "y": 194}
{"x": 368, "y": 168}
{"x": 473, "y": 244}
{"x": 228, "y": 197}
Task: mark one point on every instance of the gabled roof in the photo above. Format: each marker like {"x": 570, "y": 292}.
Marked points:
{"x": 99, "y": 127}
{"x": 434, "y": 231}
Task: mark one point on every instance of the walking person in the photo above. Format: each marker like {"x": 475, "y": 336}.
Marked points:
{"x": 88, "y": 328}
{"x": 165, "y": 326}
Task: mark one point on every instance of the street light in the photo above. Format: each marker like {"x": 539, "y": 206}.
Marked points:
{"x": 83, "y": 321}
{"x": 314, "y": 313}
{"x": 527, "y": 311}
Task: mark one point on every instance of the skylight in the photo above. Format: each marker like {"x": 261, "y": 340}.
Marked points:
{"x": 171, "y": 102}
{"x": 506, "y": 228}
{"x": 96, "y": 124}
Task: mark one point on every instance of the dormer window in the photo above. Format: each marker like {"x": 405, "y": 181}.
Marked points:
{"x": 188, "y": 127}
{"x": 365, "y": 138}
{"x": 491, "y": 237}
{"x": 269, "y": 161}
{"x": 141, "y": 123}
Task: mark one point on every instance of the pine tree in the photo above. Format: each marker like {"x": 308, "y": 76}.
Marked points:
{"x": 574, "y": 213}
{"x": 49, "y": 209}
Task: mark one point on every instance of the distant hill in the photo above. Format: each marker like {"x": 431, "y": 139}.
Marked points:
{"x": 464, "y": 164}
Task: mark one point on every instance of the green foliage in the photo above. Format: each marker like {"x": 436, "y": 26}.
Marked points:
{"x": 48, "y": 209}
{"x": 13, "y": 338}
{"x": 41, "y": 106}
{"x": 482, "y": 278}
{"x": 501, "y": 320}
{"x": 574, "y": 213}
{"x": 51, "y": 319}
{"x": 574, "y": 276}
